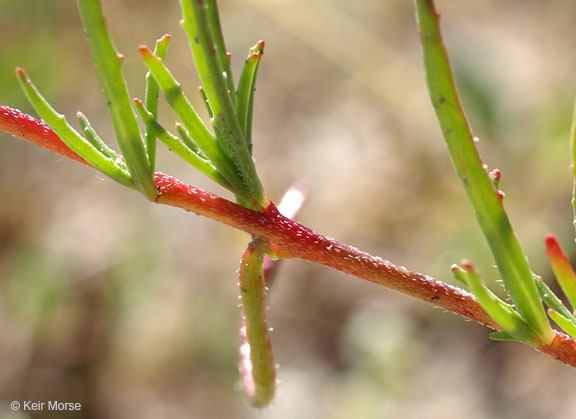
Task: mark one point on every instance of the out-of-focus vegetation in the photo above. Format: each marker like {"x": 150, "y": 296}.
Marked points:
{"x": 131, "y": 308}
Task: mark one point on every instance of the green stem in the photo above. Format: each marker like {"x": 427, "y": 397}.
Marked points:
{"x": 510, "y": 259}
{"x": 257, "y": 359}
{"x": 573, "y": 160}
{"x": 218, "y": 37}
{"x": 197, "y": 130}
{"x": 225, "y": 122}
{"x": 109, "y": 67}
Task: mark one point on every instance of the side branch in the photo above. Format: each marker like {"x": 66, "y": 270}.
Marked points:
{"x": 289, "y": 239}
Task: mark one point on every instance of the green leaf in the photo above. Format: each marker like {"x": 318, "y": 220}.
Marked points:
{"x": 552, "y": 300}
{"x": 205, "y": 99}
{"x": 225, "y": 121}
{"x": 498, "y": 310}
{"x": 109, "y": 67}
{"x": 95, "y": 140}
{"x": 245, "y": 92}
{"x": 174, "y": 144}
{"x": 567, "y": 325}
{"x": 111, "y": 166}
{"x": 188, "y": 141}
{"x": 190, "y": 119}
{"x": 502, "y": 336}
{"x": 151, "y": 99}
{"x": 223, "y": 56}
{"x": 486, "y": 201}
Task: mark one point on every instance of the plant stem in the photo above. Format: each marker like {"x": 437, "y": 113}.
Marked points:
{"x": 109, "y": 67}
{"x": 289, "y": 239}
{"x": 224, "y": 57}
{"x": 486, "y": 200}
{"x": 227, "y": 128}
{"x": 256, "y": 355}
{"x": 573, "y": 160}
{"x": 31, "y": 129}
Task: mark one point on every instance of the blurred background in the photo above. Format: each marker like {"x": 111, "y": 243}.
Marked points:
{"x": 131, "y": 308}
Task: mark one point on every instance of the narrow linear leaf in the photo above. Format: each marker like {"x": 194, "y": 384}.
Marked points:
{"x": 196, "y": 24}
{"x": 552, "y": 300}
{"x": 110, "y": 166}
{"x": 188, "y": 141}
{"x": 246, "y": 89}
{"x": 567, "y": 325}
{"x": 151, "y": 99}
{"x": 109, "y": 68}
{"x": 562, "y": 268}
{"x": 174, "y": 144}
{"x": 498, "y": 310}
{"x": 180, "y": 103}
{"x": 493, "y": 220}
{"x": 205, "y": 99}
{"x": 196, "y": 128}
{"x": 221, "y": 51}
{"x": 95, "y": 140}
{"x": 225, "y": 122}
{"x": 257, "y": 358}
{"x": 503, "y": 336}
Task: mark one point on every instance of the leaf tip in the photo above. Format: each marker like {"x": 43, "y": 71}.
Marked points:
{"x": 22, "y": 75}
{"x": 552, "y": 245}
{"x": 468, "y": 266}
{"x": 456, "y": 268}
{"x": 260, "y": 46}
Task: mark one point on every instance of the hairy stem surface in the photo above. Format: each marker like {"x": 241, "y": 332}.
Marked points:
{"x": 289, "y": 239}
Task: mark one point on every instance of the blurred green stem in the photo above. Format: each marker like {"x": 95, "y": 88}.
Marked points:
{"x": 573, "y": 160}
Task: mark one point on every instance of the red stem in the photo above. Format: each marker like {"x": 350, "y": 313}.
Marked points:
{"x": 289, "y": 239}
{"x": 24, "y": 126}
